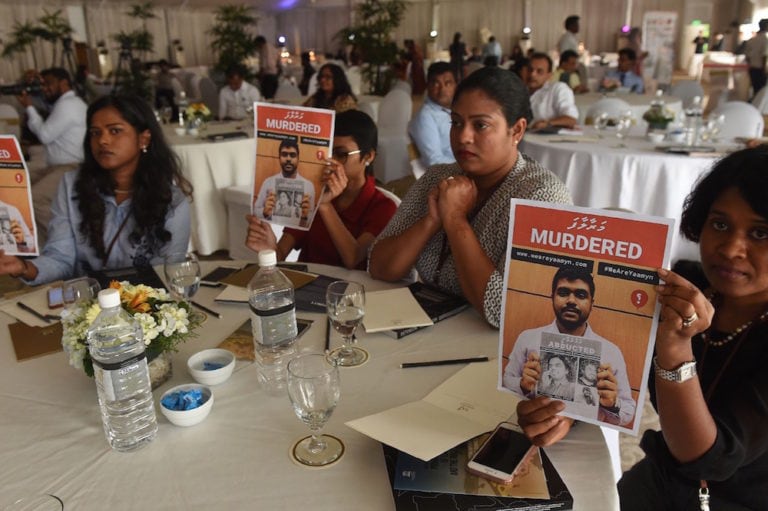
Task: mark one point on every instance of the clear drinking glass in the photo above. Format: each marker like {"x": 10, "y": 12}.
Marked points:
{"x": 601, "y": 123}
{"x": 314, "y": 388}
{"x": 624, "y": 124}
{"x": 77, "y": 290}
{"x": 182, "y": 272}
{"x": 345, "y": 303}
{"x": 166, "y": 113}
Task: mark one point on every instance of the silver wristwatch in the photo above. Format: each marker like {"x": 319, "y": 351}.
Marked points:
{"x": 683, "y": 372}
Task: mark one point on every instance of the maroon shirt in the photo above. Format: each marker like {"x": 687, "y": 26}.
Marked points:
{"x": 370, "y": 212}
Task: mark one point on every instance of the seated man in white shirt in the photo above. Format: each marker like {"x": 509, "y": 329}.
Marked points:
{"x": 431, "y": 126}
{"x": 552, "y": 103}
{"x": 61, "y": 133}
{"x": 237, "y": 98}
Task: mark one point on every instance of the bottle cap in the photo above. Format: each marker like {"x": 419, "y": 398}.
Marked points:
{"x": 267, "y": 258}
{"x": 109, "y": 298}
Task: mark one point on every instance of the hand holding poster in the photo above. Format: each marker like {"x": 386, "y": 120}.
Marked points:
{"x": 292, "y": 146}
{"x": 17, "y": 217}
{"x": 580, "y": 312}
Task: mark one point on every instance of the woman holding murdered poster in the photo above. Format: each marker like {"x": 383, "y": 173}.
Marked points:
{"x": 351, "y": 211}
{"x": 452, "y": 224}
{"x": 126, "y": 206}
{"x": 709, "y": 383}
{"x": 710, "y": 386}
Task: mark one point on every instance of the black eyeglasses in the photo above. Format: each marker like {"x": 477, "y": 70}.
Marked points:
{"x": 341, "y": 155}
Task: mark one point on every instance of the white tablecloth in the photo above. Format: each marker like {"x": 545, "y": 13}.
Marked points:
{"x": 638, "y": 103}
{"x": 632, "y": 175}
{"x": 238, "y": 457}
{"x": 211, "y": 167}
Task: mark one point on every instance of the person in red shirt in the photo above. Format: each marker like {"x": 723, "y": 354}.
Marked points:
{"x": 352, "y": 211}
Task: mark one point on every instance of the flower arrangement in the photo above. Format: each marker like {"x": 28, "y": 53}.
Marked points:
{"x": 658, "y": 116}
{"x": 198, "y": 111}
{"x": 164, "y": 322}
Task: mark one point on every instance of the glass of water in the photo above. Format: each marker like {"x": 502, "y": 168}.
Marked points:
{"x": 345, "y": 303}
{"x": 624, "y": 124}
{"x": 314, "y": 388}
{"x": 182, "y": 273}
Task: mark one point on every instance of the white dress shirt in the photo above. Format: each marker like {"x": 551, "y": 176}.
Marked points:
{"x": 568, "y": 41}
{"x": 63, "y": 132}
{"x": 233, "y": 104}
{"x": 553, "y": 99}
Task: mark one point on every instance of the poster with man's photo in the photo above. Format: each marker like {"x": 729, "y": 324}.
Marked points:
{"x": 579, "y": 312}
{"x": 293, "y": 144}
{"x": 18, "y": 235}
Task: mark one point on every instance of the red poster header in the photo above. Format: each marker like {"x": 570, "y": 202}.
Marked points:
{"x": 294, "y": 121}
{"x": 9, "y": 152}
{"x": 636, "y": 242}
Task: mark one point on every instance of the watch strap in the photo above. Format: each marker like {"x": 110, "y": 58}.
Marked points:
{"x": 681, "y": 373}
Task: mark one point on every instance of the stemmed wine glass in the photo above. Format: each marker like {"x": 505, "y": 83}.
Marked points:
{"x": 601, "y": 123}
{"x": 314, "y": 389}
{"x": 624, "y": 124}
{"x": 182, "y": 272}
{"x": 345, "y": 303}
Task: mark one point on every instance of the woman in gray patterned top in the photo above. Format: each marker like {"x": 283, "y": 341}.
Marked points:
{"x": 452, "y": 225}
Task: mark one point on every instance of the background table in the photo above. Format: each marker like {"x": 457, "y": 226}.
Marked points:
{"x": 631, "y": 175}
{"x": 211, "y": 167}
{"x": 238, "y": 457}
{"x": 638, "y": 103}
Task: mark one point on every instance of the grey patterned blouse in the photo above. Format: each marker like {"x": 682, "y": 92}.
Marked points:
{"x": 527, "y": 180}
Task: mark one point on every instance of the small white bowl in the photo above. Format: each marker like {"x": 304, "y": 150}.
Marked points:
{"x": 655, "y": 137}
{"x": 676, "y": 136}
{"x": 188, "y": 417}
{"x": 180, "y": 131}
{"x": 196, "y": 364}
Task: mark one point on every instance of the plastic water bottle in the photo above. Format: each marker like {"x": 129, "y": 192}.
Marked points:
{"x": 183, "y": 104}
{"x": 116, "y": 346}
{"x": 273, "y": 321}
{"x": 694, "y": 118}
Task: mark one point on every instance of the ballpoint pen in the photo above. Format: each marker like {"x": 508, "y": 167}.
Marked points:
{"x": 406, "y": 365}
{"x": 44, "y": 317}
{"x": 327, "y": 335}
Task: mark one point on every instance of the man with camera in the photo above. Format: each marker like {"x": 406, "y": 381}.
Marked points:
{"x": 61, "y": 133}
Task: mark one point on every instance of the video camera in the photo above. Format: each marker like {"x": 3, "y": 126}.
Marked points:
{"x": 17, "y": 89}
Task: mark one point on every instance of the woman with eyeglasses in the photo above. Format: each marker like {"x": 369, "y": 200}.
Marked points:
{"x": 351, "y": 211}
{"x": 333, "y": 90}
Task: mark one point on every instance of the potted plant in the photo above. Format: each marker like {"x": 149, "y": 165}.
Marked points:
{"x": 372, "y": 37}
{"x": 232, "y": 39}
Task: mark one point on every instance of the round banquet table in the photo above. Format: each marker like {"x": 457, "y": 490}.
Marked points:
{"x": 212, "y": 166}
{"x": 238, "y": 457}
{"x": 634, "y": 174}
{"x": 638, "y": 104}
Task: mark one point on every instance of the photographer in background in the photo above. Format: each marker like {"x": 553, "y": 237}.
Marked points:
{"x": 62, "y": 133}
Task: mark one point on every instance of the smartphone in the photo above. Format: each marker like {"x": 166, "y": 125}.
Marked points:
{"x": 502, "y": 454}
{"x": 55, "y": 297}
{"x": 213, "y": 279}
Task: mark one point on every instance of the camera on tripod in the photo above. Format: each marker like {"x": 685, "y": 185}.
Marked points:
{"x": 17, "y": 89}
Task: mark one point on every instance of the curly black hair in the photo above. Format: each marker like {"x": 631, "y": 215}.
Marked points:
{"x": 156, "y": 174}
{"x": 341, "y": 87}
{"x": 743, "y": 170}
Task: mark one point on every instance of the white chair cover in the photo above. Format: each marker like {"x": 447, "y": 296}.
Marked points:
{"x": 390, "y": 195}
{"x": 395, "y": 111}
{"x": 355, "y": 79}
{"x": 392, "y": 161}
{"x": 686, "y": 90}
{"x": 614, "y": 107}
{"x": 9, "y": 121}
{"x": 287, "y": 91}
{"x": 741, "y": 120}
{"x": 760, "y": 101}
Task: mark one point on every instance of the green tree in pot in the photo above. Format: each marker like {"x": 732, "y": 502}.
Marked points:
{"x": 232, "y": 37}
{"x": 372, "y": 37}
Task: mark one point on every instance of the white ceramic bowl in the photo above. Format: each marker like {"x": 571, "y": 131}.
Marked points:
{"x": 180, "y": 131}
{"x": 655, "y": 138}
{"x": 676, "y": 137}
{"x": 196, "y": 364}
{"x": 189, "y": 417}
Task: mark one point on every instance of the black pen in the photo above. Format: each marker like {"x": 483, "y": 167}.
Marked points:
{"x": 406, "y": 365}
{"x": 205, "y": 309}
{"x": 45, "y": 317}
{"x": 327, "y": 335}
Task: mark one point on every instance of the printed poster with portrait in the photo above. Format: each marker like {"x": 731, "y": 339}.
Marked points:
{"x": 580, "y": 313}
{"x": 292, "y": 146}
{"x": 18, "y": 235}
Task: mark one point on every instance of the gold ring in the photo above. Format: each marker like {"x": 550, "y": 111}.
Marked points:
{"x": 690, "y": 319}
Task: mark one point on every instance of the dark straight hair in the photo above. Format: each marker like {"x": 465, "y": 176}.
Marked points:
{"x": 502, "y": 86}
